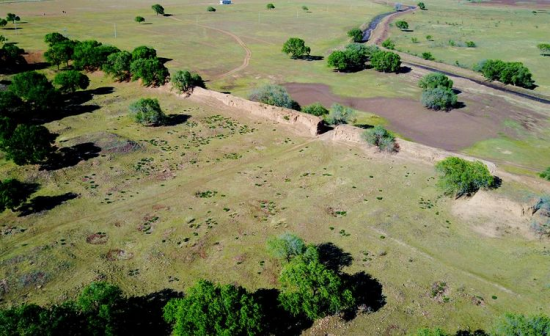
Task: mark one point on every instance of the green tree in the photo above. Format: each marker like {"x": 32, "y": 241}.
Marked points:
{"x": 340, "y": 115}
{"x": 338, "y": 60}
{"x": 139, "y": 19}
{"x": 3, "y": 23}
{"x": 270, "y": 94}
{"x": 118, "y": 65}
{"x": 286, "y": 246}
{"x": 270, "y": 6}
{"x": 11, "y": 106}
{"x": 386, "y": 61}
{"x": 151, "y": 71}
{"x": 309, "y": 288}
{"x": 60, "y": 52}
{"x": 514, "y": 73}
{"x": 35, "y": 89}
{"x": 305, "y": 8}
{"x": 544, "y": 49}
{"x": 428, "y": 56}
{"x": 184, "y": 81}
{"x": 54, "y": 38}
{"x": 29, "y": 144}
{"x": 210, "y": 309}
{"x": 12, "y": 17}
{"x": 521, "y": 325}
{"x": 11, "y": 55}
{"x": 210, "y": 9}
{"x": 431, "y": 332}
{"x": 380, "y": 137}
{"x": 388, "y": 44}
{"x": 356, "y": 35}
{"x": 471, "y": 44}
{"x": 71, "y": 80}
{"x": 459, "y": 177}
{"x": 296, "y": 47}
{"x": 143, "y": 52}
{"x": 91, "y": 55}
{"x": 25, "y": 320}
{"x": 100, "y": 302}
{"x": 421, "y": 5}
{"x": 158, "y": 9}
{"x": 435, "y": 80}
{"x": 439, "y": 99}
{"x": 315, "y": 109}
{"x": 545, "y": 174}
{"x": 12, "y": 195}
{"x": 402, "y": 25}
{"x": 147, "y": 111}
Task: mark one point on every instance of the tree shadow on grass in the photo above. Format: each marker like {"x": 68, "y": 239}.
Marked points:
{"x": 333, "y": 257}
{"x": 364, "y": 126}
{"x": 44, "y": 203}
{"x": 71, "y": 156}
{"x": 175, "y": 119}
{"x": 404, "y": 69}
{"x": 367, "y": 292}
{"x": 314, "y": 58}
{"x": 143, "y": 314}
{"x": 277, "y": 320}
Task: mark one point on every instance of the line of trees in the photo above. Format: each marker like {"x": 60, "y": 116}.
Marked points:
{"x": 514, "y": 73}
{"x": 355, "y": 56}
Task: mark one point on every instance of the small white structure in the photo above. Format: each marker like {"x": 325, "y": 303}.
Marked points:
{"x": 225, "y": 2}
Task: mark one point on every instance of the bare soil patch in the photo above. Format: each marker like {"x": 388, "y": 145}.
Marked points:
{"x": 455, "y": 130}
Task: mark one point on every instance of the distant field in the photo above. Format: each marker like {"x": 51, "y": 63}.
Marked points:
{"x": 509, "y": 33}
{"x": 137, "y": 222}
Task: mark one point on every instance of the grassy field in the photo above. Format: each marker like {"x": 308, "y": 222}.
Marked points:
{"x": 137, "y": 221}
{"x": 500, "y": 32}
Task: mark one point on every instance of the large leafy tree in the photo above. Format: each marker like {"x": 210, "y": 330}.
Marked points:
{"x": 59, "y": 53}
{"x": 460, "y": 177}
{"x": 435, "y": 80}
{"x": 210, "y": 309}
{"x": 309, "y": 288}
{"x": 514, "y": 73}
{"x": 28, "y": 144}
{"x": 184, "y": 81}
{"x": 147, "y": 111}
{"x": 143, "y": 52}
{"x": 386, "y": 61}
{"x": 70, "y": 81}
{"x": 11, "y": 55}
{"x": 101, "y": 304}
{"x": 12, "y": 194}
{"x": 286, "y": 246}
{"x": 151, "y": 71}
{"x": 35, "y": 89}
{"x": 296, "y": 48}
{"x": 54, "y": 38}
{"x": 91, "y": 55}
{"x": 118, "y": 65}
{"x": 158, "y": 9}
{"x": 11, "y": 106}
{"x": 521, "y": 325}
{"x": 356, "y": 35}
{"x": 439, "y": 98}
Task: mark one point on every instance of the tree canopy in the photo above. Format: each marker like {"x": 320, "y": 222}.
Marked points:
{"x": 340, "y": 115}
{"x": 71, "y": 80}
{"x": 158, "y": 9}
{"x": 143, "y": 52}
{"x": 435, "y": 80}
{"x": 286, "y": 246}
{"x": 12, "y": 194}
{"x": 60, "y": 52}
{"x": 439, "y": 98}
{"x": 150, "y": 70}
{"x": 403, "y": 25}
{"x": 315, "y": 109}
{"x": 184, "y": 81}
{"x": 35, "y": 89}
{"x": 356, "y": 35}
{"x": 270, "y": 94}
{"x": 118, "y": 65}
{"x": 147, "y": 111}
{"x": 514, "y": 73}
{"x": 139, "y": 19}
{"x": 210, "y": 309}
{"x": 544, "y": 48}
{"x": 296, "y": 47}
{"x": 386, "y": 61}
{"x": 380, "y": 137}
{"x": 28, "y": 144}
{"x": 458, "y": 177}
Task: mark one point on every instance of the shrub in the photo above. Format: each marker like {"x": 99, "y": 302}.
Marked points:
{"x": 210, "y": 309}
{"x": 414, "y": 40}
{"x": 318, "y": 110}
{"x": 356, "y": 35}
{"x": 147, "y": 112}
{"x": 431, "y": 332}
{"x": 544, "y": 49}
{"x": 439, "y": 99}
{"x": 388, "y": 44}
{"x": 435, "y": 80}
{"x": 381, "y": 138}
{"x": 270, "y": 6}
{"x": 402, "y": 25}
{"x": 184, "y": 81}
{"x": 340, "y": 115}
{"x": 71, "y": 80}
{"x": 158, "y": 9}
{"x": 516, "y": 324}
{"x": 12, "y": 194}
{"x": 459, "y": 177}
{"x": 270, "y": 94}
{"x": 211, "y": 9}
{"x": 514, "y": 73}
{"x": 545, "y": 174}
{"x": 471, "y": 44}
{"x": 35, "y": 89}
{"x": 28, "y": 144}
{"x": 386, "y": 61}
{"x": 151, "y": 71}
{"x": 421, "y": 5}
{"x": 305, "y": 8}
{"x": 286, "y": 246}
{"x": 54, "y": 38}
{"x": 429, "y": 37}
{"x": 428, "y": 56}
{"x": 139, "y": 19}
{"x": 296, "y": 47}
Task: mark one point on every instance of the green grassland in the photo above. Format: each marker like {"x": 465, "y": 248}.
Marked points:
{"x": 500, "y": 32}
{"x": 137, "y": 221}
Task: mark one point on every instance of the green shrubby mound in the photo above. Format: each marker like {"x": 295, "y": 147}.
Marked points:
{"x": 458, "y": 177}
{"x": 435, "y": 80}
{"x": 184, "y": 81}
{"x": 439, "y": 99}
{"x": 545, "y": 174}
{"x": 315, "y": 109}
{"x": 352, "y": 58}
{"x": 514, "y": 73}
{"x": 147, "y": 111}
{"x": 275, "y": 95}
{"x": 386, "y": 61}
{"x": 286, "y": 246}
{"x": 356, "y": 35}
{"x": 70, "y": 81}
{"x": 340, "y": 115}
{"x": 380, "y": 137}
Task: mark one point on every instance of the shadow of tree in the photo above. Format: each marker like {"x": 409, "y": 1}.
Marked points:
{"x": 71, "y": 156}
{"x": 404, "y": 69}
{"x": 367, "y": 292}
{"x": 333, "y": 257}
{"x": 44, "y": 203}
{"x": 478, "y": 332}
{"x": 277, "y": 320}
{"x": 176, "y": 119}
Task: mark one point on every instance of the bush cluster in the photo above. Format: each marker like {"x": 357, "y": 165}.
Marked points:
{"x": 514, "y": 73}
{"x": 459, "y": 177}
{"x": 380, "y": 137}
{"x": 275, "y": 95}
{"x": 437, "y": 92}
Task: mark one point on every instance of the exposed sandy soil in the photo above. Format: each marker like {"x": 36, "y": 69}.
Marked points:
{"x": 454, "y": 130}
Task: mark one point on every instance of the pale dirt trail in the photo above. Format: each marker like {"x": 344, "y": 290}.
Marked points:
{"x": 248, "y": 52}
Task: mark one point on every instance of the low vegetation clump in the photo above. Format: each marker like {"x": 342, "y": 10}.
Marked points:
{"x": 356, "y": 35}
{"x": 544, "y": 49}
{"x": 388, "y": 44}
{"x": 514, "y": 73}
{"x": 380, "y": 137}
{"x": 270, "y": 6}
{"x": 340, "y": 115}
{"x": 428, "y": 56}
{"x": 437, "y": 92}
{"x": 458, "y": 177}
{"x": 386, "y": 61}
{"x": 471, "y": 44}
{"x": 12, "y": 194}
{"x": 158, "y": 9}
{"x": 315, "y": 109}
{"x": 541, "y": 222}
{"x": 147, "y": 111}
{"x": 139, "y": 19}
{"x": 184, "y": 81}
{"x": 271, "y": 94}
{"x": 210, "y": 309}
{"x": 421, "y": 5}
{"x": 70, "y": 81}
{"x": 210, "y": 9}
{"x": 545, "y": 174}
{"x": 402, "y": 25}
{"x": 296, "y": 48}
{"x": 435, "y": 80}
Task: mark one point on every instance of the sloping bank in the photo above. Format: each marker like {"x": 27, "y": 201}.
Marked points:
{"x": 312, "y": 126}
